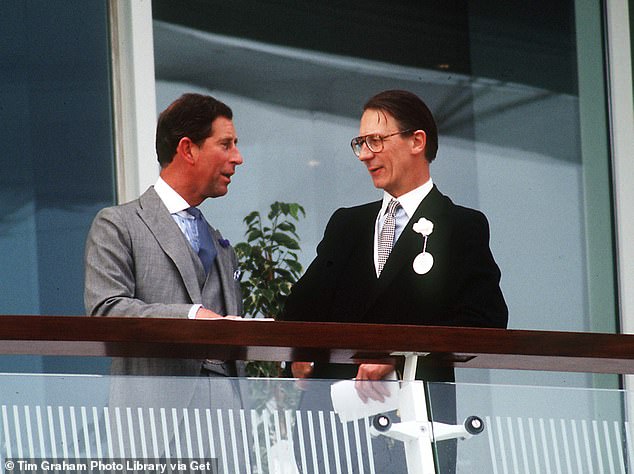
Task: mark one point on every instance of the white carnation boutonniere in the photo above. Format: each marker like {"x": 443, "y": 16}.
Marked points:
{"x": 424, "y": 260}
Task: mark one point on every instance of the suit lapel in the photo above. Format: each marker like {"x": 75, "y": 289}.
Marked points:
{"x": 226, "y": 268}
{"x": 410, "y": 243}
{"x": 365, "y": 253}
{"x": 358, "y": 278}
{"x": 361, "y": 263}
{"x": 170, "y": 238}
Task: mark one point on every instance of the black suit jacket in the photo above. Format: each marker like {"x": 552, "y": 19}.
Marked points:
{"x": 461, "y": 289}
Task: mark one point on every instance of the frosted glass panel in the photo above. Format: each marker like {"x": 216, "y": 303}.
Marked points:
{"x": 280, "y": 426}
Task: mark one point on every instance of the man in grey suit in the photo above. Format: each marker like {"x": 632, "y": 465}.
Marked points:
{"x": 157, "y": 257}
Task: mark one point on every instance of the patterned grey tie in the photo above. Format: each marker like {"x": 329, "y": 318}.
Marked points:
{"x": 386, "y": 238}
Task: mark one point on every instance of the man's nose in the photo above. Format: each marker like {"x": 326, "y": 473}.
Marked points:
{"x": 365, "y": 153}
{"x": 237, "y": 157}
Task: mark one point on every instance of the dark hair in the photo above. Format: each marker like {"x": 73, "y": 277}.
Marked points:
{"x": 189, "y": 116}
{"x": 411, "y": 113}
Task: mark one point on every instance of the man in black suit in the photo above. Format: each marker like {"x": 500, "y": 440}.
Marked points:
{"x": 364, "y": 271}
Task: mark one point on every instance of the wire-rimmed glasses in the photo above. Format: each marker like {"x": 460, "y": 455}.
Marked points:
{"x": 374, "y": 141}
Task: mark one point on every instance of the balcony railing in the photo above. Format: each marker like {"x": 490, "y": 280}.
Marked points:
{"x": 278, "y": 425}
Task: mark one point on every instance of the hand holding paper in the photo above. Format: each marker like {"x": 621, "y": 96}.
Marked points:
{"x": 350, "y": 406}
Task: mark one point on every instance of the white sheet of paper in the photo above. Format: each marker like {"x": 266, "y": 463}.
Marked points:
{"x": 349, "y": 407}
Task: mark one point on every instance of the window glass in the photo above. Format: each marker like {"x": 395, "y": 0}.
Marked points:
{"x": 518, "y": 93}
{"x": 57, "y": 157}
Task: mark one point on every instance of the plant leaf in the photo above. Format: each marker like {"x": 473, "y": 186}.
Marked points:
{"x": 285, "y": 240}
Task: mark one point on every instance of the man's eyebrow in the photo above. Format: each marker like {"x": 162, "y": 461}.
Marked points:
{"x": 229, "y": 138}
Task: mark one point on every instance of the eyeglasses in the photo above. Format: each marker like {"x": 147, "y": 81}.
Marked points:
{"x": 373, "y": 142}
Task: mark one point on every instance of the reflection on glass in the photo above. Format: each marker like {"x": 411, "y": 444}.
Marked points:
{"x": 57, "y": 160}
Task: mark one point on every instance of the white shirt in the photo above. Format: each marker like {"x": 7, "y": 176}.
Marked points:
{"x": 409, "y": 203}
{"x": 176, "y": 206}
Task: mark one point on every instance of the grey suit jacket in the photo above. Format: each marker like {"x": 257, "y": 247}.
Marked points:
{"x": 138, "y": 263}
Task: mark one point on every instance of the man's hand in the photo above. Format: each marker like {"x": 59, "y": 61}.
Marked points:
{"x": 368, "y": 383}
{"x": 302, "y": 370}
{"x": 204, "y": 313}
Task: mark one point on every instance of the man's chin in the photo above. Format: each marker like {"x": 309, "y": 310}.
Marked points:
{"x": 218, "y": 192}
{"x": 378, "y": 183}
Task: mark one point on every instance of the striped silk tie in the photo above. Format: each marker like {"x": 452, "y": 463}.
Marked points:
{"x": 386, "y": 238}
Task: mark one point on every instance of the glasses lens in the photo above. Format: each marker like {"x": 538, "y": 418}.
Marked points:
{"x": 375, "y": 143}
{"x": 356, "y": 145}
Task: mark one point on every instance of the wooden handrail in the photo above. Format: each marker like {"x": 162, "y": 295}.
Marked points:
{"x": 333, "y": 342}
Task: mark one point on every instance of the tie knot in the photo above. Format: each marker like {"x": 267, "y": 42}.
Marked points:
{"x": 194, "y": 211}
{"x": 392, "y": 207}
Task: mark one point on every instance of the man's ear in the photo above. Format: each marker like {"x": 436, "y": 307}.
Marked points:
{"x": 186, "y": 150}
{"x": 419, "y": 142}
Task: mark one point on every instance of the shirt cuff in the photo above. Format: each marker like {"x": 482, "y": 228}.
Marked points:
{"x": 193, "y": 310}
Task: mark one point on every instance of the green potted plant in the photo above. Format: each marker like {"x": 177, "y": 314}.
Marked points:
{"x": 270, "y": 265}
